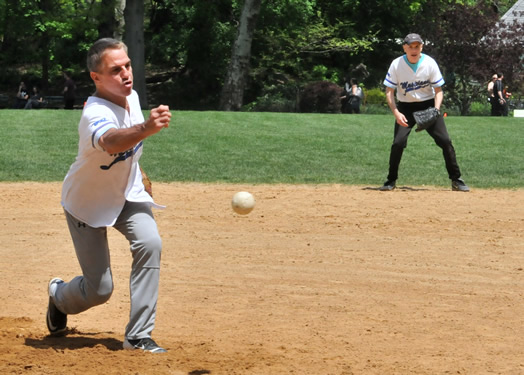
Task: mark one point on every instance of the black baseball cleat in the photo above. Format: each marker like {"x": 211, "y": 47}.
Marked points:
{"x": 459, "y": 185}
{"x": 147, "y": 345}
{"x": 388, "y": 186}
{"x": 56, "y": 319}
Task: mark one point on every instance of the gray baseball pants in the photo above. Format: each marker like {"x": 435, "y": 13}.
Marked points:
{"x": 95, "y": 286}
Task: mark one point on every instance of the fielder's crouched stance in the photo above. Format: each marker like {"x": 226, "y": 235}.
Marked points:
{"x": 417, "y": 80}
{"x": 104, "y": 188}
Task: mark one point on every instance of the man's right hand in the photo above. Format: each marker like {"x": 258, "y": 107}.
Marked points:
{"x": 401, "y": 119}
{"x": 120, "y": 140}
{"x": 159, "y": 118}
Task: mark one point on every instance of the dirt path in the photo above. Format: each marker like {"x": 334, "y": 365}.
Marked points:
{"x": 316, "y": 280}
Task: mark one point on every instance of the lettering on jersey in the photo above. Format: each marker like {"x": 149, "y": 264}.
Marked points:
{"x": 122, "y": 156}
{"x": 413, "y": 86}
{"x": 99, "y": 121}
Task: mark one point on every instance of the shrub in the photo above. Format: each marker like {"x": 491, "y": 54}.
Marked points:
{"x": 271, "y": 103}
{"x": 480, "y": 109}
{"x": 321, "y": 97}
{"x": 376, "y": 96}
{"x": 376, "y": 109}
{"x": 275, "y": 98}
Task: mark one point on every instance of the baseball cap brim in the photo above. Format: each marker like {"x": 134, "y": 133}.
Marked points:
{"x": 412, "y": 38}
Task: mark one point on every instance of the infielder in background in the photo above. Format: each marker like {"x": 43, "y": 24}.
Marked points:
{"x": 418, "y": 83}
{"x": 104, "y": 188}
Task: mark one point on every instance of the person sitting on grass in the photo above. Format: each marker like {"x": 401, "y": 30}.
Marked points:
{"x": 36, "y": 100}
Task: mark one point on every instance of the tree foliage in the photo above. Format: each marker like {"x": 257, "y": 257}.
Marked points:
{"x": 470, "y": 55}
{"x": 188, "y": 44}
{"x": 235, "y": 83}
{"x": 321, "y": 97}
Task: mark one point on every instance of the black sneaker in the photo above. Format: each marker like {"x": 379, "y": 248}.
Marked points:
{"x": 56, "y": 319}
{"x": 388, "y": 186}
{"x": 147, "y": 345}
{"x": 459, "y": 185}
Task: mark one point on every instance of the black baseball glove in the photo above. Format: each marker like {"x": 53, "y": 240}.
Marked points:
{"x": 426, "y": 118}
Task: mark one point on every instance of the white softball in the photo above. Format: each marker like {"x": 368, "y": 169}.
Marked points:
{"x": 243, "y": 202}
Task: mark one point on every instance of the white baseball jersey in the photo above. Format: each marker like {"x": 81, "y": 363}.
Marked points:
{"x": 98, "y": 184}
{"x": 414, "y": 82}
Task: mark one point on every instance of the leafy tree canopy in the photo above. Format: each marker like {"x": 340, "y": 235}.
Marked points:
{"x": 296, "y": 42}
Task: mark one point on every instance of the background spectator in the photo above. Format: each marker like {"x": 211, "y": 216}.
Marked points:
{"x": 36, "y": 101}
{"x": 69, "y": 91}
{"x": 22, "y": 96}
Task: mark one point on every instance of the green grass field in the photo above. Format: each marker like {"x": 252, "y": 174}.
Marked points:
{"x": 238, "y": 147}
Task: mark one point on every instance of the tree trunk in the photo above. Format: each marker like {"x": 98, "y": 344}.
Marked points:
{"x": 120, "y": 6}
{"x": 233, "y": 90}
{"x": 44, "y": 80}
{"x": 45, "y": 42}
{"x": 134, "y": 38}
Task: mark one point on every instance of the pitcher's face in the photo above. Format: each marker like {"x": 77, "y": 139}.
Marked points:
{"x": 114, "y": 78}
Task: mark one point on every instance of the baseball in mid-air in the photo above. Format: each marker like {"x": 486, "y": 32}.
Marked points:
{"x": 243, "y": 202}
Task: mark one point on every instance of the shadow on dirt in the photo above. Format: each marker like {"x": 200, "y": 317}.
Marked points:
{"x": 74, "y": 340}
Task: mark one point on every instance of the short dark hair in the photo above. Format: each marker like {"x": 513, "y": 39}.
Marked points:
{"x": 97, "y": 50}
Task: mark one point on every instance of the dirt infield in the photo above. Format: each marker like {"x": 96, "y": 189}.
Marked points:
{"x": 316, "y": 280}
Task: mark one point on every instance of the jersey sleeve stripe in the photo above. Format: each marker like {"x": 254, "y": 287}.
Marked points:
{"x": 389, "y": 83}
{"x": 438, "y": 83}
{"x": 100, "y": 131}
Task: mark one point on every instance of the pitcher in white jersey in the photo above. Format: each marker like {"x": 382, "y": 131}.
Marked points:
{"x": 417, "y": 81}
{"x": 104, "y": 188}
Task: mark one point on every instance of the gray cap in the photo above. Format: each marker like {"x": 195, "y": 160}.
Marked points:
{"x": 412, "y": 38}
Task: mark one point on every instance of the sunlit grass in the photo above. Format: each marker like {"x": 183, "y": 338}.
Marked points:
{"x": 236, "y": 147}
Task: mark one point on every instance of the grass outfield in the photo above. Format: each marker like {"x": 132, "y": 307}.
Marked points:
{"x": 238, "y": 147}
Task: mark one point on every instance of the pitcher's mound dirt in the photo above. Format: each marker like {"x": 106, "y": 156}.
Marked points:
{"x": 324, "y": 279}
